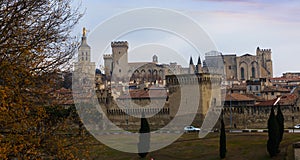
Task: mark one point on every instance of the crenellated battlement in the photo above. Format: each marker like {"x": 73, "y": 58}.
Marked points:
{"x": 201, "y": 78}
{"x": 119, "y": 44}
{"x": 265, "y": 50}
{"x": 107, "y": 56}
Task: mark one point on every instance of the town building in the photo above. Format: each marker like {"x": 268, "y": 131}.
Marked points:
{"x": 247, "y": 66}
{"x": 289, "y": 80}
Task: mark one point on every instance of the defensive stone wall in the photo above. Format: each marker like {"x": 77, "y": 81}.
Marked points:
{"x": 259, "y": 118}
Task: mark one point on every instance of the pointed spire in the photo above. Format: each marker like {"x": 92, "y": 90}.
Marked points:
{"x": 191, "y": 61}
{"x": 199, "y": 60}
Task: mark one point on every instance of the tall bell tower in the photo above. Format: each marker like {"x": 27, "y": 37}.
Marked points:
{"x": 265, "y": 62}
{"x": 84, "y": 67}
{"x": 84, "y": 50}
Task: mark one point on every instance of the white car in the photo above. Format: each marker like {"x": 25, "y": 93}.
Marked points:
{"x": 297, "y": 126}
{"x": 191, "y": 129}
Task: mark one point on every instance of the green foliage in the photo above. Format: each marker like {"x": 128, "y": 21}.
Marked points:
{"x": 144, "y": 126}
{"x": 275, "y": 131}
{"x": 280, "y": 120}
{"x": 273, "y": 134}
{"x": 144, "y": 138}
{"x": 222, "y": 140}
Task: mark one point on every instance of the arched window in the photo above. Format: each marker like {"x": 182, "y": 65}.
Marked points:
{"x": 253, "y": 72}
{"x": 242, "y": 73}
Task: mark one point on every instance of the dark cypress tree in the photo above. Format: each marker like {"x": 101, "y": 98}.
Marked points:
{"x": 222, "y": 140}
{"x": 280, "y": 120}
{"x": 273, "y": 133}
{"x": 144, "y": 138}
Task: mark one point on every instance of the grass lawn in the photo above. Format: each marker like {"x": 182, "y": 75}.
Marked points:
{"x": 239, "y": 146}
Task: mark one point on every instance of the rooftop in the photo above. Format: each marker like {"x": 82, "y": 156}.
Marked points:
{"x": 238, "y": 97}
{"x": 285, "y": 101}
{"x": 275, "y": 89}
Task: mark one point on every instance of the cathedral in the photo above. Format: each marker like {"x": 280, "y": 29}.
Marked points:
{"x": 247, "y": 66}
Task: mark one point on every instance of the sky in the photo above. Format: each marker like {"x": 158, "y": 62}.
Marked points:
{"x": 235, "y": 27}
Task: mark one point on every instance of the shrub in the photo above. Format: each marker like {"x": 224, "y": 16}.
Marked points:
{"x": 222, "y": 140}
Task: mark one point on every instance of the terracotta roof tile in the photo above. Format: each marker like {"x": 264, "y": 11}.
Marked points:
{"x": 286, "y": 100}
{"x": 284, "y": 79}
{"x": 275, "y": 89}
{"x": 257, "y": 98}
{"x": 267, "y": 103}
{"x": 238, "y": 97}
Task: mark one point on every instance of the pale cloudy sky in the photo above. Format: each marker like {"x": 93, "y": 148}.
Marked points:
{"x": 234, "y": 26}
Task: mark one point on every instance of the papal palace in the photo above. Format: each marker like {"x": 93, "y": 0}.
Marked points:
{"x": 245, "y": 82}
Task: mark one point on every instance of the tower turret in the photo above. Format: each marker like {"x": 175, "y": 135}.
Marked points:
{"x": 191, "y": 66}
{"x": 199, "y": 66}
{"x": 191, "y": 61}
{"x": 265, "y": 61}
{"x": 108, "y": 61}
{"x": 155, "y": 59}
{"x": 120, "y": 59}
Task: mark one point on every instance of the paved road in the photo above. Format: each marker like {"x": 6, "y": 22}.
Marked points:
{"x": 262, "y": 130}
